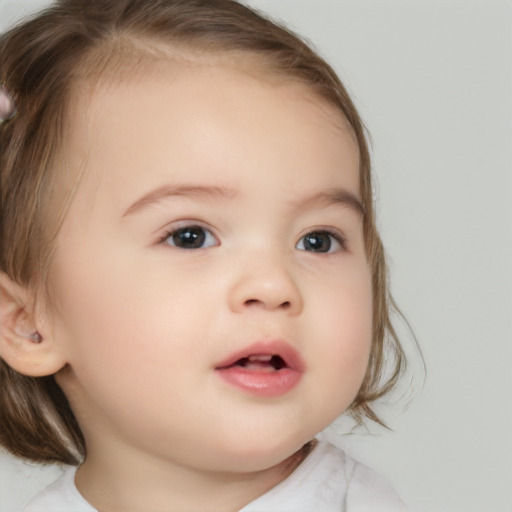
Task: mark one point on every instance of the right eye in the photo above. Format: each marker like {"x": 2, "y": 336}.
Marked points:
{"x": 191, "y": 237}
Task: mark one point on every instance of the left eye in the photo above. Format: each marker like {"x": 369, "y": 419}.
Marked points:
{"x": 320, "y": 241}
{"x": 191, "y": 237}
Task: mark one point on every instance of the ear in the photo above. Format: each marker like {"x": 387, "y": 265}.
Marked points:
{"x": 26, "y": 344}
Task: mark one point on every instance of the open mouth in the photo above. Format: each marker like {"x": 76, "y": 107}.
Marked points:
{"x": 264, "y": 362}
{"x": 264, "y": 356}
{"x": 266, "y": 369}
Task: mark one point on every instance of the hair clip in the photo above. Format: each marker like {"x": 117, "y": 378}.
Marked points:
{"x": 7, "y": 105}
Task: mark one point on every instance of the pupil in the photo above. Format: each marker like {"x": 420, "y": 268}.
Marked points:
{"x": 317, "y": 242}
{"x": 189, "y": 238}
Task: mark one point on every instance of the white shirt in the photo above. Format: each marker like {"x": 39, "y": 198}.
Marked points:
{"x": 327, "y": 481}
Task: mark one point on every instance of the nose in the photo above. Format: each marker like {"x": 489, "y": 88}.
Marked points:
{"x": 264, "y": 283}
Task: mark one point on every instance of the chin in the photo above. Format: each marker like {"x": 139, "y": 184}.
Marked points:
{"x": 251, "y": 454}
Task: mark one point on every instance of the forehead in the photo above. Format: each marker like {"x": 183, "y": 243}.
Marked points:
{"x": 125, "y": 68}
{"x": 220, "y": 106}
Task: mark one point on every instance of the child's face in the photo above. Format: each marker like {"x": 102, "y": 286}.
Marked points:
{"x": 217, "y": 219}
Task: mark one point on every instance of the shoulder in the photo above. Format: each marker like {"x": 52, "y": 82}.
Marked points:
{"x": 60, "y": 496}
{"x": 330, "y": 481}
{"x": 365, "y": 489}
{"x": 368, "y": 490}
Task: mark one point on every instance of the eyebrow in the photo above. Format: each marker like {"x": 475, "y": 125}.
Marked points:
{"x": 166, "y": 192}
{"x": 330, "y": 197}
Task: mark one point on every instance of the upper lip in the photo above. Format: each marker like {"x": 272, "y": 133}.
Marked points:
{"x": 288, "y": 354}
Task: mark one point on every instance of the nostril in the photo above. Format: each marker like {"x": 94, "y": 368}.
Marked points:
{"x": 250, "y": 302}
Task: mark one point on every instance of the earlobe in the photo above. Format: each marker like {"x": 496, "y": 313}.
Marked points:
{"x": 23, "y": 345}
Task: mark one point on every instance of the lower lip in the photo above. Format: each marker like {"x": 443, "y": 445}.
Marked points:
{"x": 261, "y": 383}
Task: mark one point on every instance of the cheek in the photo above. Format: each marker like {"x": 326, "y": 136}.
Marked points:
{"x": 127, "y": 343}
{"x": 344, "y": 318}
{"x": 129, "y": 316}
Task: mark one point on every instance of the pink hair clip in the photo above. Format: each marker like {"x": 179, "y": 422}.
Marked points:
{"x": 7, "y": 105}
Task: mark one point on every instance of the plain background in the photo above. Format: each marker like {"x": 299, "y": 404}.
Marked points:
{"x": 433, "y": 82}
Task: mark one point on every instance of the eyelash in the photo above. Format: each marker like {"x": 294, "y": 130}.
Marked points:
{"x": 174, "y": 232}
{"x": 205, "y": 233}
{"x": 333, "y": 235}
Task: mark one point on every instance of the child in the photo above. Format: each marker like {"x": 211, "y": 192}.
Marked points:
{"x": 192, "y": 284}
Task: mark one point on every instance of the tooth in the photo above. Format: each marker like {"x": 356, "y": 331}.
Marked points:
{"x": 260, "y": 358}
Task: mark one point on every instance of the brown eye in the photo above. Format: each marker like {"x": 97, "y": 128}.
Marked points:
{"x": 320, "y": 241}
{"x": 191, "y": 237}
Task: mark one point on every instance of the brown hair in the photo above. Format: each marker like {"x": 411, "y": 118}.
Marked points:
{"x": 39, "y": 60}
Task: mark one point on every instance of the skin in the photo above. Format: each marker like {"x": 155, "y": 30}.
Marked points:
{"x": 140, "y": 324}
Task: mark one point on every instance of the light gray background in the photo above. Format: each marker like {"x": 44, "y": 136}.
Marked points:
{"x": 433, "y": 82}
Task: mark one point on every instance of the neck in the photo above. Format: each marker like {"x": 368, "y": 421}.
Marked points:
{"x": 135, "y": 483}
